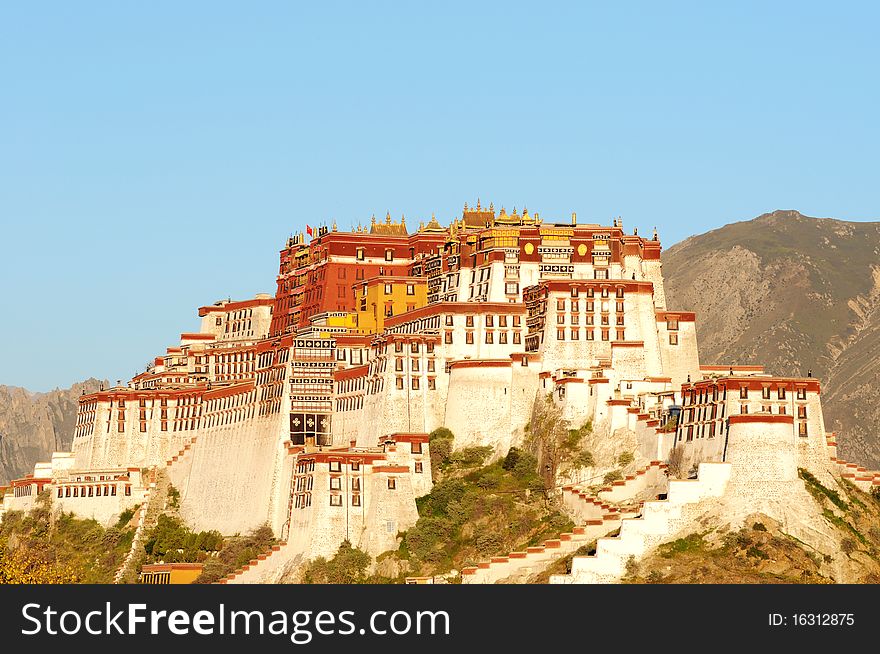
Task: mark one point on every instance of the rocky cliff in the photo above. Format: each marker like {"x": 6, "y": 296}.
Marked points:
{"x": 33, "y": 425}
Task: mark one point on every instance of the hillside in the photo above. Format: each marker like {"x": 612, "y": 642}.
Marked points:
{"x": 795, "y": 294}
{"x": 33, "y": 425}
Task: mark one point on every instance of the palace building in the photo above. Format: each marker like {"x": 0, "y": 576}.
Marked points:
{"x": 294, "y": 410}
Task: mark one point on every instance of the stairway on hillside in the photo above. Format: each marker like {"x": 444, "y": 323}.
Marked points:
{"x": 147, "y": 517}
{"x": 659, "y": 520}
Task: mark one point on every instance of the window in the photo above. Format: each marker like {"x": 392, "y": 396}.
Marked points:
{"x": 398, "y": 346}
{"x": 447, "y": 338}
{"x": 621, "y": 335}
{"x": 392, "y": 483}
{"x": 802, "y": 412}
{"x": 560, "y": 318}
{"x": 415, "y": 383}
{"x": 335, "y": 466}
{"x": 449, "y": 321}
{"x": 560, "y": 334}
{"x": 490, "y": 338}
{"x": 619, "y": 319}
{"x": 781, "y": 392}
{"x": 387, "y": 289}
{"x": 743, "y": 392}
{"x": 673, "y": 339}
{"x": 605, "y": 290}
{"x": 414, "y": 365}
{"x": 502, "y": 338}
{"x": 802, "y": 429}
{"x": 389, "y": 255}
{"x": 672, "y": 324}
{"x": 335, "y": 483}
{"x": 360, "y": 254}
{"x": 802, "y": 393}
{"x": 398, "y": 364}
{"x": 590, "y": 335}
{"x": 619, "y": 293}
{"x": 575, "y": 334}
{"x": 399, "y": 383}
{"x": 604, "y": 334}
{"x": 765, "y": 393}
{"x": 414, "y": 347}
{"x": 511, "y": 288}
{"x": 743, "y": 408}
{"x": 516, "y": 321}
{"x": 591, "y": 306}
{"x": 410, "y": 289}
{"x": 516, "y": 338}
{"x": 430, "y": 365}
{"x": 336, "y": 500}
{"x": 574, "y": 291}
{"x": 469, "y": 338}
{"x": 418, "y": 466}
{"x": 560, "y": 305}
{"x": 432, "y": 384}
{"x": 355, "y": 500}
{"x": 468, "y": 321}
{"x": 490, "y": 320}
{"x": 355, "y": 466}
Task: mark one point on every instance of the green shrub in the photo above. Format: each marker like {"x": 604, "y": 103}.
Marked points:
{"x": 584, "y": 459}
{"x": 126, "y": 516}
{"x": 626, "y": 458}
{"x": 440, "y": 432}
{"x": 348, "y": 566}
{"x": 614, "y": 475}
{"x": 513, "y": 455}
{"x": 471, "y": 457}
{"x": 848, "y": 545}
{"x": 758, "y": 527}
{"x": 441, "y": 450}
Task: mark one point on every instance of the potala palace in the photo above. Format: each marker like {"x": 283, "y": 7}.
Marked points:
{"x": 310, "y": 410}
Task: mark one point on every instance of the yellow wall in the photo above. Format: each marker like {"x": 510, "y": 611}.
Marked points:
{"x": 372, "y": 299}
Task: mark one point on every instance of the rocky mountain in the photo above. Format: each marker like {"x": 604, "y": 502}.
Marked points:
{"x": 796, "y": 294}
{"x": 33, "y": 425}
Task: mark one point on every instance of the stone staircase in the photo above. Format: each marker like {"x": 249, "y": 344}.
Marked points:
{"x": 261, "y": 569}
{"x": 582, "y": 503}
{"x": 658, "y": 522}
{"x": 147, "y": 516}
{"x": 185, "y": 450}
{"x": 517, "y": 566}
{"x": 863, "y": 478}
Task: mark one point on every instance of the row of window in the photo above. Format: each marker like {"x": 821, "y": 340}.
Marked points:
{"x": 489, "y": 338}
{"x": 93, "y": 491}
{"x": 415, "y": 384}
{"x": 589, "y": 334}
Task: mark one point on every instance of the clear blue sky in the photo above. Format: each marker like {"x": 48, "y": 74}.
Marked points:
{"x": 155, "y": 156}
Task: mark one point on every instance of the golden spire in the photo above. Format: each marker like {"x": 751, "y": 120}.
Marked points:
{"x": 478, "y": 204}
{"x": 373, "y": 221}
{"x": 402, "y": 219}
{"x": 421, "y": 225}
{"x": 334, "y": 225}
{"x": 492, "y": 207}
{"x": 388, "y": 218}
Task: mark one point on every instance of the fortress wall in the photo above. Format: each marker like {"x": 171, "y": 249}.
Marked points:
{"x": 478, "y": 407}
{"x": 761, "y": 450}
{"x": 390, "y": 511}
{"x": 230, "y": 482}
{"x": 652, "y": 271}
{"x": 813, "y": 453}
{"x": 680, "y": 360}
{"x": 105, "y": 510}
{"x": 641, "y": 310}
{"x": 629, "y": 361}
